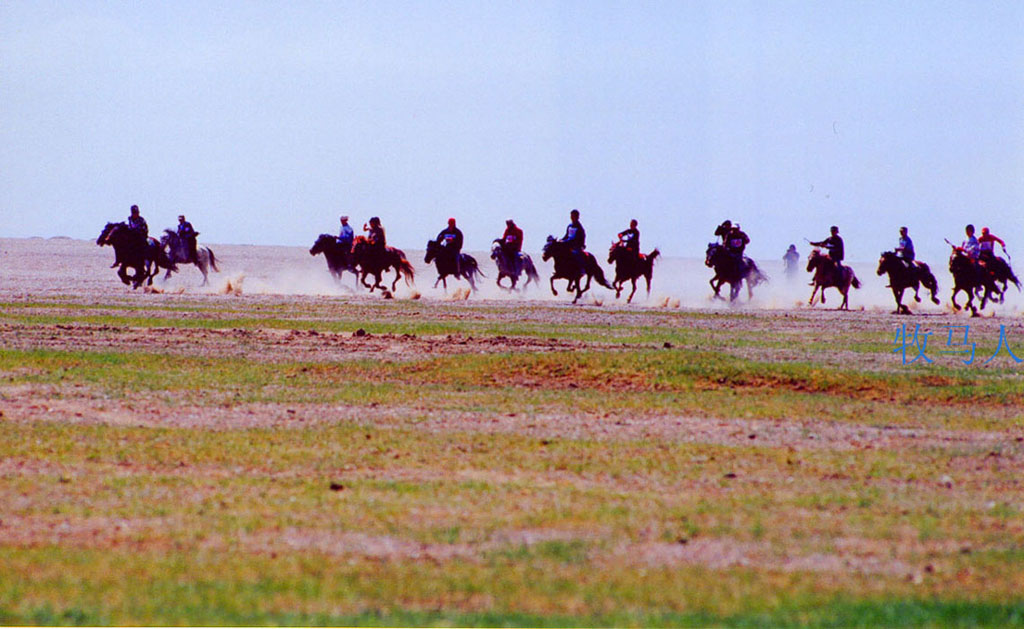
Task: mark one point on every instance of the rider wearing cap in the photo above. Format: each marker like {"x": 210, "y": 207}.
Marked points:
{"x": 450, "y": 239}
{"x": 723, "y": 230}
{"x": 137, "y": 223}
{"x": 346, "y": 235}
{"x": 834, "y": 245}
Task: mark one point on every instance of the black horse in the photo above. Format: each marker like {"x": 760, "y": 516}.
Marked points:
{"x": 1000, "y": 271}
{"x": 373, "y": 260}
{"x": 568, "y": 267}
{"x": 729, "y": 270}
{"x": 830, "y": 274}
{"x": 466, "y": 267}
{"x": 969, "y": 277}
{"x": 630, "y": 266}
{"x": 339, "y": 259}
{"x": 177, "y": 249}
{"x": 511, "y": 267}
{"x": 902, "y": 277}
{"x": 132, "y": 250}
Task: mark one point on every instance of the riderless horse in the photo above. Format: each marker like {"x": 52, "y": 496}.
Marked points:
{"x": 135, "y": 251}
{"x": 903, "y": 276}
{"x": 339, "y": 258}
{"x": 466, "y": 266}
{"x": 373, "y": 260}
{"x": 830, "y": 274}
{"x": 567, "y": 267}
{"x": 512, "y": 268}
{"x": 732, "y": 271}
{"x": 630, "y": 266}
{"x": 177, "y": 249}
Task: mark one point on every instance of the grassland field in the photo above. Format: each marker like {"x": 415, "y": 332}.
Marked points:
{"x": 216, "y": 459}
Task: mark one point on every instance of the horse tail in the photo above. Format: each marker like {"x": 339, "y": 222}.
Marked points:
{"x": 598, "y": 274}
{"x": 530, "y": 269}
{"x": 213, "y": 260}
{"x": 406, "y": 267}
{"x": 854, "y": 281}
{"x": 652, "y": 255}
{"x": 474, "y": 265}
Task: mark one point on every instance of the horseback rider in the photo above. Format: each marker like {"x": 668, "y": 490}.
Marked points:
{"x": 905, "y": 248}
{"x": 834, "y": 246}
{"x": 736, "y": 241}
{"x": 345, "y": 236}
{"x": 512, "y": 244}
{"x": 138, "y": 224}
{"x": 723, "y": 230}
{"x": 630, "y": 239}
{"x": 375, "y": 234}
{"x": 450, "y": 239}
{"x": 576, "y": 238}
{"x": 791, "y": 258}
{"x": 987, "y": 257}
{"x": 969, "y": 247}
{"x": 188, "y": 235}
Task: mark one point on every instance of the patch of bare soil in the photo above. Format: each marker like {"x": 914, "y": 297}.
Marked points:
{"x": 268, "y": 345}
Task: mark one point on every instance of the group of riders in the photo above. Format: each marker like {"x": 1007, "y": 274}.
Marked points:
{"x": 138, "y": 227}
{"x": 451, "y": 239}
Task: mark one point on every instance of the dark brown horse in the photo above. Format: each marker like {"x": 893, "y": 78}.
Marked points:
{"x": 902, "y": 277}
{"x": 830, "y": 274}
{"x": 572, "y": 268}
{"x": 729, "y": 270}
{"x": 338, "y": 258}
{"x": 132, "y": 250}
{"x": 971, "y": 278}
{"x": 630, "y": 266}
{"x": 467, "y": 266}
{"x": 373, "y": 260}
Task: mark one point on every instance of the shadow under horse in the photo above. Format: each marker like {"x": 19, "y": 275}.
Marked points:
{"x": 729, "y": 270}
{"x": 971, "y": 278}
{"x": 903, "y": 276}
{"x": 511, "y": 268}
{"x": 830, "y": 274}
{"x": 466, "y": 268}
{"x": 568, "y": 267}
{"x": 177, "y": 249}
{"x": 374, "y": 260}
{"x": 631, "y": 266}
{"x": 132, "y": 250}
{"x": 339, "y": 259}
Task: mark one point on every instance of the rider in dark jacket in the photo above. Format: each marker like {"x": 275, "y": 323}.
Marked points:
{"x": 137, "y": 223}
{"x": 834, "y": 245}
{"x": 188, "y": 236}
{"x": 375, "y": 234}
{"x": 451, "y": 239}
{"x": 576, "y": 238}
{"x": 630, "y": 238}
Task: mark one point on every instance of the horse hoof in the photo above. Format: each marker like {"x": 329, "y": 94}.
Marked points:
{"x": 935, "y": 301}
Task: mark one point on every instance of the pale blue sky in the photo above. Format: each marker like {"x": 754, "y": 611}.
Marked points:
{"x": 265, "y": 121}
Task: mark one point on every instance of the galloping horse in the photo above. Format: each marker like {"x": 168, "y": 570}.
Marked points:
{"x": 374, "y": 261}
{"x": 1001, "y": 273}
{"x": 178, "y": 251}
{"x": 467, "y": 266}
{"x": 133, "y": 250}
{"x": 970, "y": 278}
{"x": 827, "y": 275}
{"x": 631, "y": 266}
{"x": 567, "y": 267}
{"x": 730, "y": 271}
{"x": 902, "y": 277}
{"x": 512, "y": 269}
{"x": 338, "y": 258}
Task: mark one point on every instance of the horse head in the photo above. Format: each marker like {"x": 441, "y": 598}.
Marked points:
{"x": 431, "y": 251}
{"x": 104, "y": 237}
{"x": 709, "y": 255}
{"x": 495, "y": 248}
{"x": 813, "y": 259}
{"x": 549, "y": 248}
{"x": 613, "y": 251}
{"x": 321, "y": 245}
{"x": 885, "y": 262}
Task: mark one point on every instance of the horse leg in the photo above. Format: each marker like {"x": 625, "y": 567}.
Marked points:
{"x": 810, "y": 302}
{"x": 553, "y": 291}
{"x": 633, "y": 292}
{"x": 202, "y": 269}
{"x": 846, "y": 297}
{"x": 398, "y": 276}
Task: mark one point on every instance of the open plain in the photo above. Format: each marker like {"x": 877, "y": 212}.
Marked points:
{"x": 266, "y": 452}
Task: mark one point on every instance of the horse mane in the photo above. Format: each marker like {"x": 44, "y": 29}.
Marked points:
{"x": 360, "y": 240}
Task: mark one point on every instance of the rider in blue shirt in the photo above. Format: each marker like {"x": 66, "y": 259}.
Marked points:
{"x": 905, "y": 249}
{"x": 576, "y": 238}
{"x": 346, "y": 235}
